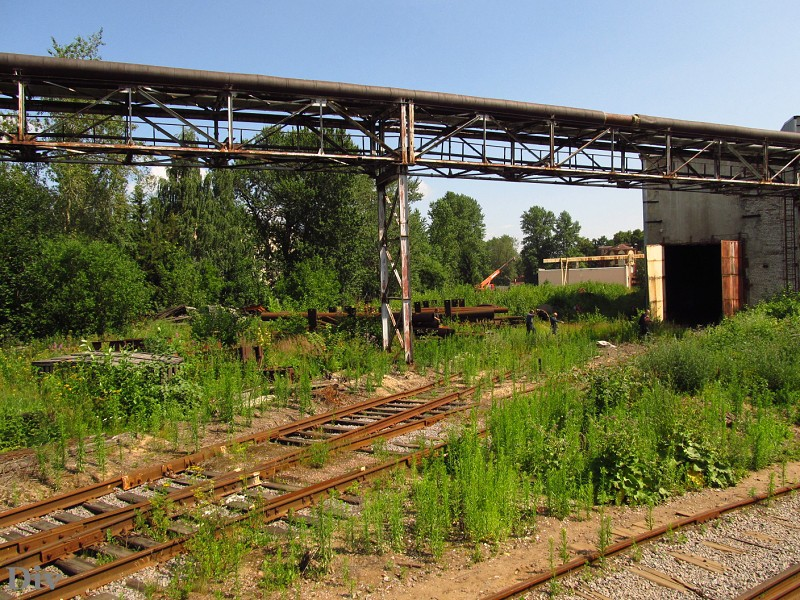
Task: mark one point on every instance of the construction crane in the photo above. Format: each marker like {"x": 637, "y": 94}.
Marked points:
{"x": 486, "y": 282}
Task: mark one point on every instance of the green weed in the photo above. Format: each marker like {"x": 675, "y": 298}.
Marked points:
{"x": 604, "y": 536}
{"x": 563, "y": 549}
{"x": 318, "y": 454}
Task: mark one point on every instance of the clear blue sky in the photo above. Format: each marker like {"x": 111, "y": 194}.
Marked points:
{"x": 727, "y": 61}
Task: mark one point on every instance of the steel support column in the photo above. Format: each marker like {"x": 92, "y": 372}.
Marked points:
{"x": 386, "y": 315}
{"x": 22, "y": 116}
{"x": 405, "y": 283}
{"x": 386, "y": 216}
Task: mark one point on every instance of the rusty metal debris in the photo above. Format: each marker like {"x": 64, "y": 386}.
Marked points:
{"x": 170, "y": 362}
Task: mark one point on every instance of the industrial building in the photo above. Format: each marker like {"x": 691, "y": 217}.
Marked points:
{"x": 709, "y": 254}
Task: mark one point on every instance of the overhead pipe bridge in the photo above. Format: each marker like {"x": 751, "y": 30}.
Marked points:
{"x": 53, "y": 110}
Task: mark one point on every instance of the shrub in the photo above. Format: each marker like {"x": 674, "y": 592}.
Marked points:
{"x": 218, "y": 323}
{"x": 782, "y": 305}
{"x": 625, "y": 468}
{"x": 703, "y": 466}
{"x": 610, "y": 387}
{"x": 685, "y": 365}
{"x": 81, "y": 286}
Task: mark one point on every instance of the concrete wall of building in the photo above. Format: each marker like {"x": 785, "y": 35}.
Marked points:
{"x": 764, "y": 248}
{"x": 575, "y": 275}
{"x": 703, "y": 218}
{"x": 690, "y": 217}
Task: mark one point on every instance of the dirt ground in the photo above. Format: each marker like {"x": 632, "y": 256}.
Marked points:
{"x": 463, "y": 572}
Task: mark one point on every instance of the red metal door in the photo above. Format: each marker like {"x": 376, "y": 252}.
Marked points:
{"x": 731, "y": 279}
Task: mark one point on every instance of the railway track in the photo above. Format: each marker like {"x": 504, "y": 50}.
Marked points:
{"x": 62, "y": 559}
{"x": 784, "y": 585}
{"x": 713, "y": 554}
{"x": 289, "y": 433}
{"x": 70, "y": 531}
{"x": 273, "y": 509}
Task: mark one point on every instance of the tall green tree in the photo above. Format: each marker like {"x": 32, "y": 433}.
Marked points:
{"x": 632, "y": 237}
{"x": 299, "y": 215}
{"x": 91, "y": 200}
{"x": 25, "y": 203}
{"x": 81, "y": 48}
{"x": 427, "y": 272}
{"x": 200, "y": 247}
{"x": 601, "y": 241}
{"x": 586, "y": 247}
{"x": 500, "y": 250}
{"x": 566, "y": 235}
{"x": 548, "y": 236}
{"x": 538, "y": 243}
{"x": 456, "y": 233}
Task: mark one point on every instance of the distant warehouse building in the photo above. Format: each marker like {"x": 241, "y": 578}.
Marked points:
{"x": 614, "y": 264}
{"x": 708, "y": 254}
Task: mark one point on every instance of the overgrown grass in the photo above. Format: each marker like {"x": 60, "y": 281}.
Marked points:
{"x": 696, "y": 410}
{"x": 213, "y": 385}
{"x": 692, "y": 412}
{"x": 571, "y": 302}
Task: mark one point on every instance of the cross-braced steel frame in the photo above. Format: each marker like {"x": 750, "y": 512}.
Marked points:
{"x": 55, "y": 110}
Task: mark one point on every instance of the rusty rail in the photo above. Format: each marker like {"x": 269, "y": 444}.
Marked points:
{"x": 783, "y": 585}
{"x": 48, "y": 546}
{"x": 272, "y": 511}
{"x": 148, "y": 474}
{"x": 579, "y": 563}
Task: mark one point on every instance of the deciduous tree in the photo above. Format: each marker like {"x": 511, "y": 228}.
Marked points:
{"x": 501, "y": 250}
{"x": 566, "y": 235}
{"x": 547, "y": 236}
{"x": 90, "y": 199}
{"x": 537, "y": 226}
{"x": 24, "y": 219}
{"x": 456, "y": 233}
{"x": 200, "y": 237}
{"x": 300, "y": 215}
{"x": 632, "y": 237}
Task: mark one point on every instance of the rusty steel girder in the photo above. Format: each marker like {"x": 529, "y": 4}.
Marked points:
{"x": 95, "y": 112}
{"x": 55, "y": 110}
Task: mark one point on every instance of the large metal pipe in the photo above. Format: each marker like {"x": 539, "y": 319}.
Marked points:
{"x": 17, "y": 66}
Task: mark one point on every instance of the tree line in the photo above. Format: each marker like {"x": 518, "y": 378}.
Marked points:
{"x": 89, "y": 248}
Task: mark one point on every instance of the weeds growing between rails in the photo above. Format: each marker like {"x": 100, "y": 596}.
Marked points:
{"x": 692, "y": 412}
{"x": 697, "y": 409}
{"x": 57, "y": 412}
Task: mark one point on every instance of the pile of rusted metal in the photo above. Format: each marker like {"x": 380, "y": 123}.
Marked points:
{"x": 170, "y": 362}
{"x": 426, "y": 317}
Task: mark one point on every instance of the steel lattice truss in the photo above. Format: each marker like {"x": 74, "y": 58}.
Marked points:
{"x": 57, "y": 110}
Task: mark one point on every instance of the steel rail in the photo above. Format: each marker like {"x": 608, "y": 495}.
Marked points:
{"x": 783, "y": 585}
{"x": 49, "y": 545}
{"x": 272, "y": 510}
{"x": 123, "y": 520}
{"x": 579, "y": 563}
{"x": 148, "y": 474}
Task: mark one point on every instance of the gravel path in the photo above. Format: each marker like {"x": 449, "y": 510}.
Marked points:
{"x": 739, "y": 550}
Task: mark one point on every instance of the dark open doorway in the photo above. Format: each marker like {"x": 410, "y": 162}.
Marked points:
{"x": 693, "y": 283}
